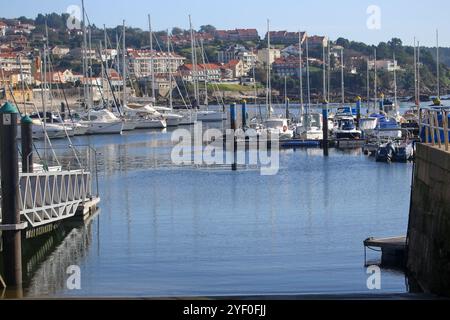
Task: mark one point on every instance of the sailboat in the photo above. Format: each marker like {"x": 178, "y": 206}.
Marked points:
{"x": 145, "y": 117}
{"x": 310, "y": 126}
{"x": 202, "y": 112}
{"x": 274, "y": 125}
{"x": 344, "y": 124}
{"x": 98, "y": 121}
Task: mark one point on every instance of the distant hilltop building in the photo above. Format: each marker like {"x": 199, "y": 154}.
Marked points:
{"x": 271, "y": 55}
{"x": 384, "y": 65}
{"x": 237, "y": 35}
{"x": 185, "y": 38}
{"x": 287, "y": 67}
{"x": 140, "y": 62}
{"x": 209, "y": 72}
{"x": 3, "y": 27}
{"x": 286, "y": 38}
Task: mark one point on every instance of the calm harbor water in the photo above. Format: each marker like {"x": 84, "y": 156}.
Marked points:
{"x": 166, "y": 230}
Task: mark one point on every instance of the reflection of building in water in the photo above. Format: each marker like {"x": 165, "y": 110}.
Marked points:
{"x": 48, "y": 268}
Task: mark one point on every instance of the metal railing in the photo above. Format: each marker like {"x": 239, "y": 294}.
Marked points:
{"x": 434, "y": 125}
{"x": 47, "y": 197}
{"x": 57, "y": 187}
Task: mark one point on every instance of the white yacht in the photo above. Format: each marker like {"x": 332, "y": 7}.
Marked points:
{"x": 189, "y": 117}
{"x": 77, "y": 128}
{"x": 210, "y": 116}
{"x": 172, "y": 119}
{"x": 279, "y": 126}
{"x": 345, "y": 128}
{"x": 310, "y": 128}
{"x": 102, "y": 122}
{"x": 144, "y": 117}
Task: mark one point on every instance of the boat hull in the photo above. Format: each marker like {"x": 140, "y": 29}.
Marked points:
{"x": 151, "y": 124}
{"x": 105, "y": 128}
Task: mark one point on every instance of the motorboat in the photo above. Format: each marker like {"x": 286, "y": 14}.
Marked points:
{"x": 210, "y": 116}
{"x": 387, "y": 127}
{"x": 279, "y": 126}
{"x": 345, "y": 128}
{"x": 144, "y": 117}
{"x": 172, "y": 119}
{"x": 102, "y": 122}
{"x": 310, "y": 127}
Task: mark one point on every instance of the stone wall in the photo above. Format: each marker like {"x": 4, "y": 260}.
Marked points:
{"x": 429, "y": 226}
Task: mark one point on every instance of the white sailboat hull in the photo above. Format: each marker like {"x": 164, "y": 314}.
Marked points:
{"x": 188, "y": 118}
{"x": 104, "y": 127}
{"x": 151, "y": 124}
{"x": 129, "y": 125}
{"x": 210, "y": 116}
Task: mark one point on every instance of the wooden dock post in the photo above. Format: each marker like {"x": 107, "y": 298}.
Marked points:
{"x": 325, "y": 128}
{"x": 382, "y": 103}
{"x": 11, "y": 228}
{"x": 358, "y": 111}
{"x": 244, "y": 114}
{"x": 288, "y": 115}
{"x": 26, "y": 125}
{"x": 233, "y": 123}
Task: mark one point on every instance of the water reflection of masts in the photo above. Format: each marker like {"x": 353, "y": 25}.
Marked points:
{"x": 50, "y": 278}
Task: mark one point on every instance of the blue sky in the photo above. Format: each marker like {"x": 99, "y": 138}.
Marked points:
{"x": 348, "y": 18}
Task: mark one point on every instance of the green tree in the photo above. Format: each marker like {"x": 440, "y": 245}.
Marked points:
{"x": 207, "y": 28}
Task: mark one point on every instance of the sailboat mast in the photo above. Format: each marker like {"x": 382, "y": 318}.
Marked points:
{"x": 438, "y": 66}
{"x": 329, "y": 71}
{"x": 395, "y": 85}
{"x": 342, "y": 77}
{"x": 152, "y": 61}
{"x": 269, "y": 73}
{"x": 324, "y": 73}
{"x": 124, "y": 55}
{"x": 206, "y": 71}
{"x": 301, "y": 72}
{"x": 83, "y": 51}
{"x": 376, "y": 79}
{"x": 91, "y": 87}
{"x": 368, "y": 84}
{"x": 106, "y": 63}
{"x": 418, "y": 74}
{"x": 416, "y": 100}
{"x": 194, "y": 62}
{"x": 307, "y": 75}
{"x": 169, "y": 69}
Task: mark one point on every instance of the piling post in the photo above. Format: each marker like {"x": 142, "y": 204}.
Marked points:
{"x": 11, "y": 228}
{"x": 287, "y": 109}
{"x": 358, "y": 111}
{"x": 382, "y": 103}
{"x": 325, "y": 128}
{"x": 63, "y": 110}
{"x": 26, "y": 127}
{"x": 244, "y": 114}
{"x": 233, "y": 124}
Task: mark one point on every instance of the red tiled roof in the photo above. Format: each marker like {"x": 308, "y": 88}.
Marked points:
{"x": 207, "y": 66}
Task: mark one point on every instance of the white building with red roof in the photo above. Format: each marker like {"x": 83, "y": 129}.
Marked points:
{"x": 140, "y": 62}
{"x": 210, "y": 72}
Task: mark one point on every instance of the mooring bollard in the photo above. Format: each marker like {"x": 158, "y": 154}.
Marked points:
{"x": 26, "y": 127}
{"x": 358, "y": 111}
{"x": 325, "y": 128}
{"x": 233, "y": 123}
{"x": 11, "y": 226}
{"x": 244, "y": 114}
